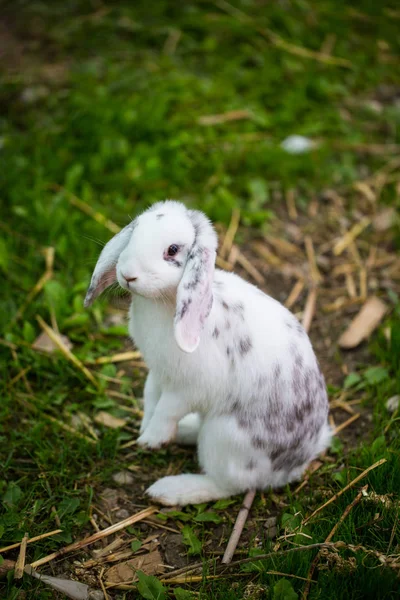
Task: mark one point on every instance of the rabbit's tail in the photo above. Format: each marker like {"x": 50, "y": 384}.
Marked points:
{"x": 188, "y": 429}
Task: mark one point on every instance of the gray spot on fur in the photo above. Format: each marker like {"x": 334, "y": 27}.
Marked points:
{"x": 160, "y": 216}
{"x": 215, "y": 333}
{"x": 245, "y": 345}
{"x": 251, "y": 465}
{"x": 238, "y": 309}
{"x": 225, "y": 305}
{"x": 227, "y": 324}
{"x": 236, "y": 407}
{"x": 300, "y": 329}
{"x": 258, "y": 443}
{"x": 183, "y": 309}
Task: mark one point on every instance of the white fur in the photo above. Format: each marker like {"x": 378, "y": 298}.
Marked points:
{"x": 240, "y": 378}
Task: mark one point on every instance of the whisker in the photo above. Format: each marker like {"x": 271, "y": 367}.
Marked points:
{"x": 95, "y": 240}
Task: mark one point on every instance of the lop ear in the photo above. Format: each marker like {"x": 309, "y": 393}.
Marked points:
{"x": 104, "y": 273}
{"x": 194, "y": 296}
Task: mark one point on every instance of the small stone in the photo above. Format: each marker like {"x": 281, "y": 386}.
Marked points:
{"x": 297, "y": 144}
{"x": 271, "y": 528}
{"x": 110, "y": 497}
{"x": 123, "y": 478}
{"x": 122, "y": 513}
{"x": 393, "y": 403}
{"x": 96, "y": 595}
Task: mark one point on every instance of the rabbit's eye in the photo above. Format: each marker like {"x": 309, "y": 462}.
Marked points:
{"x": 172, "y": 250}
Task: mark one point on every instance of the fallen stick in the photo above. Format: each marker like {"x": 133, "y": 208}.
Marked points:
{"x": 272, "y": 554}
{"x": 20, "y": 564}
{"x": 88, "y": 210}
{"x": 346, "y": 423}
{"x": 121, "y": 357}
{"x": 312, "y": 261}
{"x": 48, "y": 274}
{"x": 295, "y": 293}
{"x": 230, "y": 234}
{"x": 341, "y": 492}
{"x": 66, "y": 352}
{"x": 315, "y": 562}
{"x": 309, "y": 309}
{"x": 96, "y": 536}
{"x": 238, "y": 527}
{"x": 350, "y": 236}
{"x": 31, "y": 540}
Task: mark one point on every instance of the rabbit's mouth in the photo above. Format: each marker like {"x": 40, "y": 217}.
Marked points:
{"x": 152, "y": 292}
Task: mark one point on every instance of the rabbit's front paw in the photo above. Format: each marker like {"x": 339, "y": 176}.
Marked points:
{"x": 144, "y": 424}
{"x": 157, "y": 435}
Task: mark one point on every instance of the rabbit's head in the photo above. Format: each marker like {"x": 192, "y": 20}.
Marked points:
{"x": 166, "y": 252}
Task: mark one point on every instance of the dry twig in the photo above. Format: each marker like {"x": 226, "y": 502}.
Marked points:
{"x": 88, "y": 210}
{"x": 96, "y": 536}
{"x": 37, "y": 538}
{"x": 66, "y": 352}
{"x": 238, "y": 527}
{"x": 347, "y": 423}
{"x": 295, "y": 293}
{"x": 350, "y": 236}
{"x": 309, "y": 308}
{"x": 312, "y": 261}
{"x": 315, "y": 562}
{"x": 48, "y": 274}
{"x": 344, "y": 490}
{"x": 20, "y": 564}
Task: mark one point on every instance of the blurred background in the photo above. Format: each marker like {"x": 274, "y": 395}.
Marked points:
{"x": 122, "y": 104}
{"x": 280, "y": 119}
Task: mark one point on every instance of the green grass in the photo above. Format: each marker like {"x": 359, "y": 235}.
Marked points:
{"x": 117, "y": 126}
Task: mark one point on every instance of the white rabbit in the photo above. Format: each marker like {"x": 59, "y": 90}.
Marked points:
{"x": 218, "y": 347}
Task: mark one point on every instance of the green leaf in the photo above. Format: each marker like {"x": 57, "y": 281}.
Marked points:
{"x": 136, "y": 545}
{"x": 191, "y": 540}
{"x": 120, "y": 330}
{"x": 375, "y": 375}
{"x": 67, "y": 506}
{"x": 181, "y": 594}
{"x": 76, "y": 320}
{"x": 208, "y": 517}
{"x": 290, "y": 522}
{"x": 340, "y": 476}
{"x": 150, "y": 587}
{"x": 28, "y": 332}
{"x": 4, "y": 255}
{"x": 223, "y": 503}
{"x": 351, "y": 380}
{"x": 55, "y": 294}
{"x": 336, "y": 445}
{"x": 12, "y": 494}
{"x": 379, "y": 445}
{"x": 283, "y": 590}
{"x": 177, "y": 514}
{"x": 258, "y": 566}
{"x": 1, "y": 531}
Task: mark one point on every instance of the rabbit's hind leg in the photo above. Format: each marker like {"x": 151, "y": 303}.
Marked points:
{"x": 228, "y": 456}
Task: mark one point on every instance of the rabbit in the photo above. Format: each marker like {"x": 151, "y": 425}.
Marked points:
{"x": 230, "y": 368}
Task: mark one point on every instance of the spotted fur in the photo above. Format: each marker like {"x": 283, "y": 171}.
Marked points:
{"x": 218, "y": 347}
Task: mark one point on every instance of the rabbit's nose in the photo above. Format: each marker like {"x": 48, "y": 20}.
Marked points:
{"x": 129, "y": 279}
